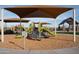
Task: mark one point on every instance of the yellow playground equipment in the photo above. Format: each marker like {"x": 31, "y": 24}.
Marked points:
{"x": 33, "y": 32}
{"x": 38, "y": 33}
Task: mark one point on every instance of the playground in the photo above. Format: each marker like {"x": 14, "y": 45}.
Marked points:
{"x": 38, "y": 37}
{"x": 29, "y": 39}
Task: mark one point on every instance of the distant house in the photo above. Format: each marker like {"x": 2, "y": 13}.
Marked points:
{"x": 69, "y": 21}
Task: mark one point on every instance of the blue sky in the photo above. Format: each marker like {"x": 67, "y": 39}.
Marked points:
{"x": 60, "y": 18}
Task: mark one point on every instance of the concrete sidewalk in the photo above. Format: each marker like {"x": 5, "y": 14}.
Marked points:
{"x": 74, "y": 50}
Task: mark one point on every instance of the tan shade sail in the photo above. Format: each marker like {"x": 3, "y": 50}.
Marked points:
{"x": 15, "y": 20}
{"x": 38, "y": 11}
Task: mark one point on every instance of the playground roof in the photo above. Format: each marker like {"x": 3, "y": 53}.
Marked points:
{"x": 15, "y": 20}
{"x": 38, "y": 11}
{"x": 69, "y": 21}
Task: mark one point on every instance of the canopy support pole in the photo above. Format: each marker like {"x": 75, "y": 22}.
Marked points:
{"x": 55, "y": 27}
{"x": 2, "y": 25}
{"x": 20, "y": 26}
{"x": 74, "y": 16}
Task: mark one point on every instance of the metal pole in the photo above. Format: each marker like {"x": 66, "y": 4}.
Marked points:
{"x": 2, "y": 25}
{"x": 20, "y": 26}
{"x": 55, "y": 27}
{"x": 74, "y": 16}
{"x": 39, "y": 33}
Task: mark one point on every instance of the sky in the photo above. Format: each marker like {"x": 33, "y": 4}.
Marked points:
{"x": 59, "y": 19}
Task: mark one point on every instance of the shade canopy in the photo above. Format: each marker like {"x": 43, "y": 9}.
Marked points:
{"x": 15, "y": 20}
{"x": 69, "y": 21}
{"x": 38, "y": 11}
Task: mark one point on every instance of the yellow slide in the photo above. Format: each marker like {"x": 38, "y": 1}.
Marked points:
{"x": 40, "y": 29}
{"x": 50, "y": 32}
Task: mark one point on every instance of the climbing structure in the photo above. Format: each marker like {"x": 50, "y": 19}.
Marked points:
{"x": 38, "y": 33}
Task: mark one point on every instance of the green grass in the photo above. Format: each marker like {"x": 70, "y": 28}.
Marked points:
{"x": 77, "y": 33}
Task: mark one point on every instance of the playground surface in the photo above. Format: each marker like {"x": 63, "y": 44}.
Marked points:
{"x": 58, "y": 42}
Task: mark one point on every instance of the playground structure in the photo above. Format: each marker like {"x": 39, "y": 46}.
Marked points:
{"x": 38, "y": 33}
{"x": 33, "y": 32}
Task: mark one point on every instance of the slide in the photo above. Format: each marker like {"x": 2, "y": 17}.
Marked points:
{"x": 50, "y": 32}
{"x": 40, "y": 29}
